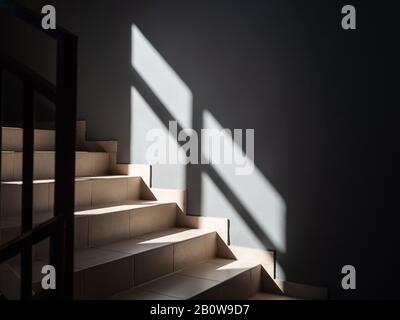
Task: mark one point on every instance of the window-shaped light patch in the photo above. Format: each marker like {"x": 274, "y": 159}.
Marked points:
{"x": 165, "y": 83}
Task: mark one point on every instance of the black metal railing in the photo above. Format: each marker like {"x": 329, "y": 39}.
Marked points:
{"x": 60, "y": 228}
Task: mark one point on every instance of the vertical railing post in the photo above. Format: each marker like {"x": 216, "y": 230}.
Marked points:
{"x": 65, "y": 163}
{"x": 27, "y": 187}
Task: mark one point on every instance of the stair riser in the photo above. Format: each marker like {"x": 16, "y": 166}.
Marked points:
{"x": 12, "y": 138}
{"x": 88, "y": 193}
{"x": 104, "y": 229}
{"x": 160, "y": 262}
{"x": 110, "y": 278}
{"x": 87, "y": 165}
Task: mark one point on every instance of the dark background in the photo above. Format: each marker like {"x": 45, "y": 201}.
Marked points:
{"x": 317, "y": 96}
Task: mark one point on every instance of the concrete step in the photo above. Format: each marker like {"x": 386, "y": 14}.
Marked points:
{"x": 89, "y": 192}
{"x": 88, "y": 164}
{"x": 103, "y": 224}
{"x": 215, "y": 278}
{"x": 12, "y": 139}
{"x": 44, "y": 139}
{"x": 103, "y": 271}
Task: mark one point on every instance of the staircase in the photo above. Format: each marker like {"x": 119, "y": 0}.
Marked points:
{"x": 131, "y": 241}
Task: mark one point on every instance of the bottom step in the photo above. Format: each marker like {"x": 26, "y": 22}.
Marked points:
{"x": 213, "y": 279}
{"x": 105, "y": 270}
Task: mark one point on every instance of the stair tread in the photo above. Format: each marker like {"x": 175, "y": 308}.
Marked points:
{"x": 123, "y": 206}
{"x": 270, "y": 296}
{"x": 38, "y": 218}
{"x": 155, "y": 240}
{"x": 216, "y": 269}
{"x": 187, "y": 283}
{"x": 176, "y": 234}
{"x": 175, "y": 286}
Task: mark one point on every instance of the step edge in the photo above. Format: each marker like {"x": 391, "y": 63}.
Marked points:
{"x": 77, "y": 179}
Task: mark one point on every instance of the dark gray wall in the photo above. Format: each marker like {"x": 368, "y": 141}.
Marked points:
{"x": 314, "y": 93}
{"x": 34, "y": 49}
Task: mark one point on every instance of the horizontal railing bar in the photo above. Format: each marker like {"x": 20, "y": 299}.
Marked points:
{"x": 12, "y": 248}
{"x": 40, "y": 84}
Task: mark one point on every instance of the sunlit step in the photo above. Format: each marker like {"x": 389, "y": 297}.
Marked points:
{"x": 104, "y": 224}
{"x": 103, "y": 271}
{"x": 89, "y": 192}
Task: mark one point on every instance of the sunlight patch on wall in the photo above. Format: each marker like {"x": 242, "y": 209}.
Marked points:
{"x": 143, "y": 121}
{"x": 214, "y": 203}
{"x": 161, "y": 78}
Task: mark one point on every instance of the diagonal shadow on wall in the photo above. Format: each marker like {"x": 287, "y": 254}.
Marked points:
{"x": 165, "y": 115}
